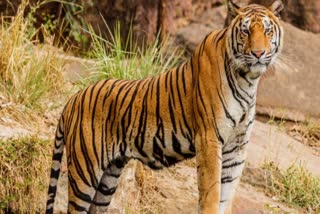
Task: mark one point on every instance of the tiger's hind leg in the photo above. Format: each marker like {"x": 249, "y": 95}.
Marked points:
{"x": 107, "y": 186}
{"x": 82, "y": 186}
{"x": 80, "y": 194}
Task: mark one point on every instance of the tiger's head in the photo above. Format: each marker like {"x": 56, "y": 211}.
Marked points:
{"x": 255, "y": 36}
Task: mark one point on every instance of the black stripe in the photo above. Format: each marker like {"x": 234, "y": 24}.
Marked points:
{"x": 49, "y": 211}
{"x": 77, "y": 207}
{"x": 219, "y": 37}
{"x": 225, "y": 109}
{"x": 88, "y": 161}
{"x": 182, "y": 110}
{"x": 101, "y": 204}
{"x": 166, "y": 80}
{"x": 227, "y": 160}
{"x": 110, "y": 89}
{"x": 201, "y": 98}
{"x": 57, "y": 138}
{"x": 228, "y": 179}
{"x": 215, "y": 126}
{"x": 243, "y": 75}
{"x": 121, "y": 87}
{"x": 177, "y": 147}
{"x": 128, "y": 87}
{"x": 171, "y": 111}
{"x": 157, "y": 151}
{"x": 234, "y": 148}
{"x": 203, "y": 43}
{"x": 57, "y": 156}
{"x": 172, "y": 89}
{"x": 170, "y": 160}
{"x": 77, "y": 192}
{"x": 93, "y": 116}
{"x": 160, "y": 131}
{"x": 231, "y": 84}
{"x": 129, "y": 108}
{"x": 242, "y": 117}
{"x": 142, "y": 127}
{"x": 144, "y": 117}
{"x": 233, "y": 164}
{"x": 54, "y": 173}
{"x": 52, "y": 190}
{"x": 78, "y": 167}
{"x": 183, "y": 73}
{"x": 91, "y": 88}
{"x": 151, "y": 85}
{"x": 106, "y": 190}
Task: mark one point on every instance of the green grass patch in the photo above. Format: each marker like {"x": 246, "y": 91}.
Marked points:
{"x": 24, "y": 167}
{"x": 295, "y": 186}
{"x": 116, "y": 58}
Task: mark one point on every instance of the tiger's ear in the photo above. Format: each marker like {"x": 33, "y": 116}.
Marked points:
{"x": 233, "y": 9}
{"x": 276, "y": 7}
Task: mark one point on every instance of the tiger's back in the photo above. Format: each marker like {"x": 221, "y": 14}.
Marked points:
{"x": 136, "y": 119}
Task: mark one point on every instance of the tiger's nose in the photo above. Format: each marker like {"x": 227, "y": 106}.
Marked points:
{"x": 258, "y": 54}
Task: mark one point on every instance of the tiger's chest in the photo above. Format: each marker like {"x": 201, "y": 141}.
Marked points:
{"x": 237, "y": 134}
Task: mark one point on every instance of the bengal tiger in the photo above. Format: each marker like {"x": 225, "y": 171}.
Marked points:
{"x": 205, "y": 107}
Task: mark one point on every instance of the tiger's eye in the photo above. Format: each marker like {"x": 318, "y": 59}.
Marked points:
{"x": 268, "y": 30}
{"x": 245, "y": 31}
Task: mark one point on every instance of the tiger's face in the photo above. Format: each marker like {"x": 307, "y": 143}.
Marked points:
{"x": 255, "y": 36}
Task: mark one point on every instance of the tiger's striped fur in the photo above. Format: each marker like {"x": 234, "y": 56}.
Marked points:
{"x": 205, "y": 108}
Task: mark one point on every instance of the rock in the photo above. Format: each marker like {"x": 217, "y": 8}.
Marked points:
{"x": 191, "y": 35}
{"x": 127, "y": 194}
{"x": 12, "y": 132}
{"x": 304, "y": 14}
{"x": 249, "y": 200}
{"x": 288, "y": 91}
{"x": 268, "y": 143}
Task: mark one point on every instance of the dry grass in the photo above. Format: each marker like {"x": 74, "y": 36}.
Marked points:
{"x": 147, "y": 183}
{"x": 29, "y": 74}
{"x": 31, "y": 82}
{"x": 23, "y": 174}
{"x": 295, "y": 186}
{"x": 307, "y": 133}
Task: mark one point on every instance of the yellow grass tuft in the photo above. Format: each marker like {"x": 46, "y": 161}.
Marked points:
{"x": 24, "y": 164}
{"x": 28, "y": 73}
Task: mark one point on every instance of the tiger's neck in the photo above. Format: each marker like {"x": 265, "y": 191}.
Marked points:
{"x": 243, "y": 82}
{"x": 217, "y": 84}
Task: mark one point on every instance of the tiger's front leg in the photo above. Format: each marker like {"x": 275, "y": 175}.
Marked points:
{"x": 208, "y": 155}
{"x": 233, "y": 161}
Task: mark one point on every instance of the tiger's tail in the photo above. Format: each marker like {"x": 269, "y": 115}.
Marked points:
{"x": 55, "y": 168}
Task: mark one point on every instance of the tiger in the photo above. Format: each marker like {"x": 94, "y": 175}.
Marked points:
{"x": 203, "y": 108}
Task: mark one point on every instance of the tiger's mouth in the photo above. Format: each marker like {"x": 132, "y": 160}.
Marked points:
{"x": 256, "y": 65}
{"x": 258, "y": 62}
{"x": 258, "y": 68}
